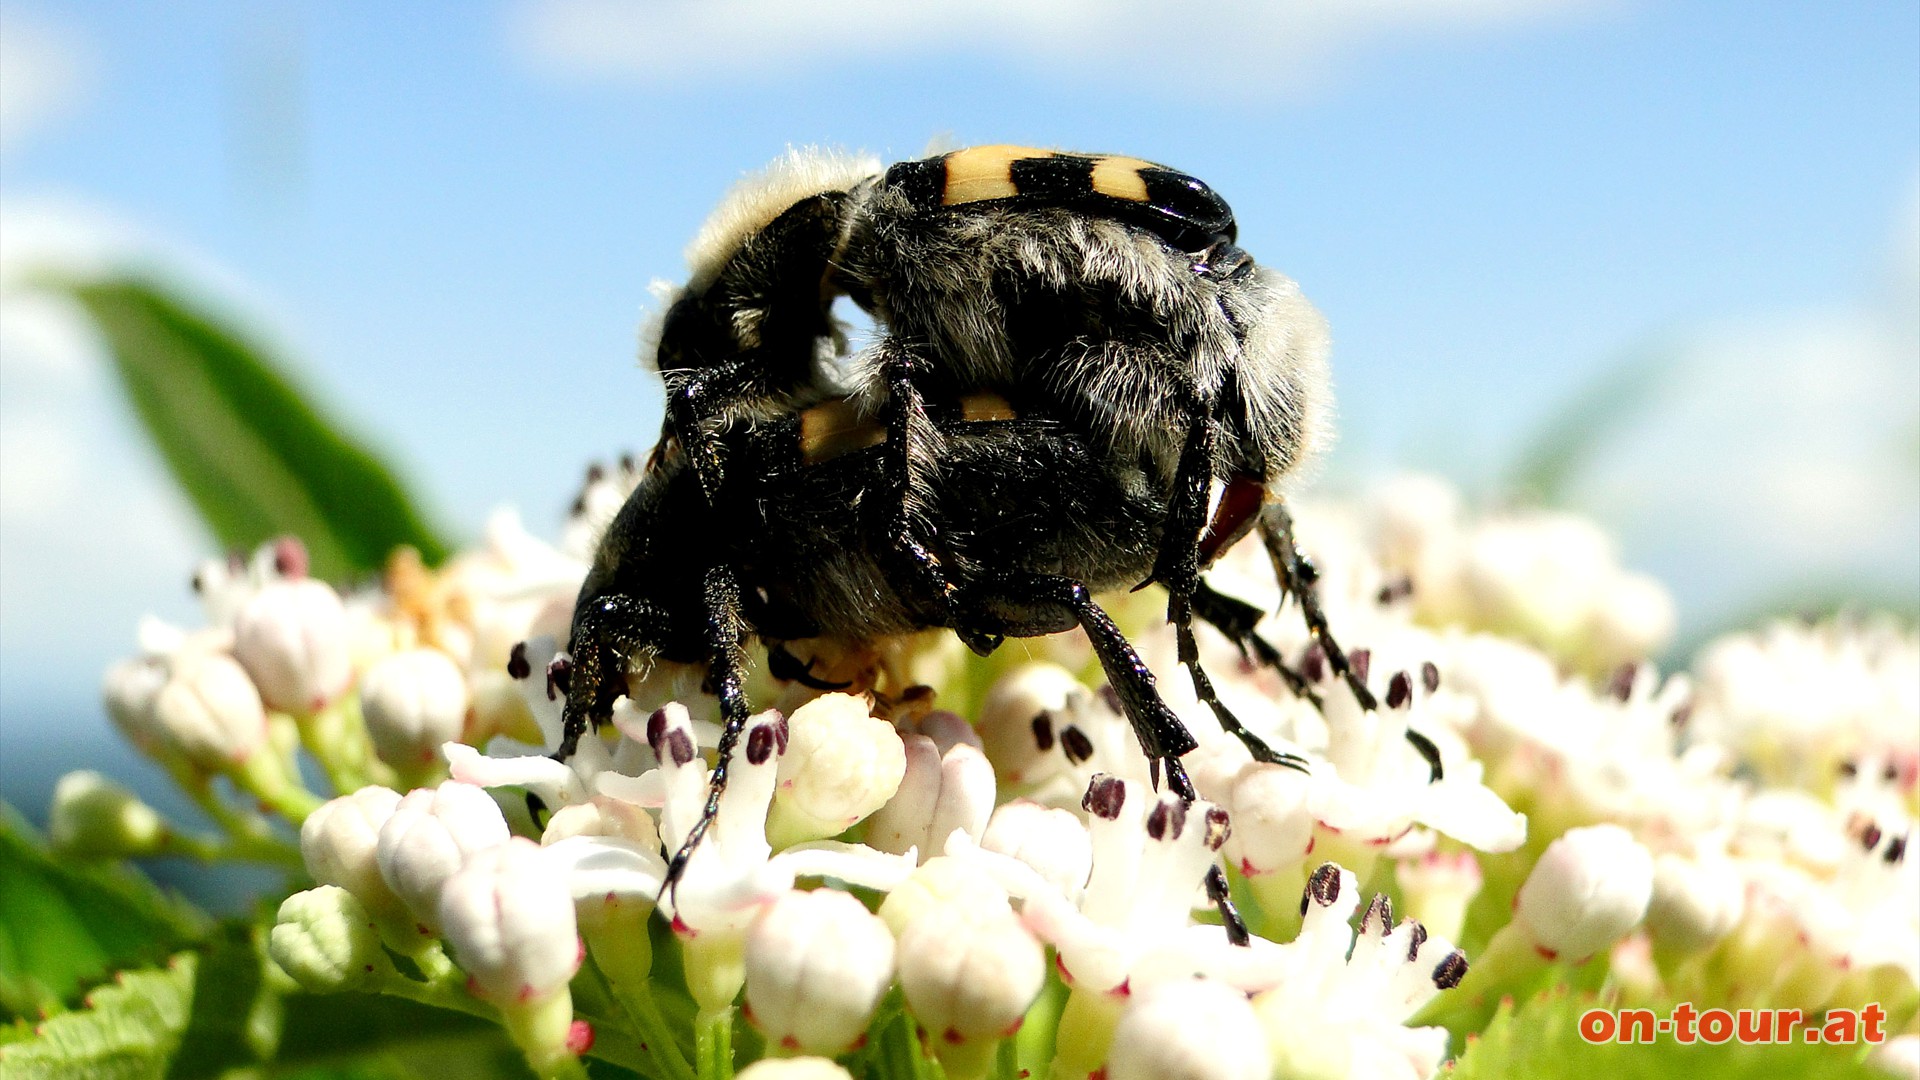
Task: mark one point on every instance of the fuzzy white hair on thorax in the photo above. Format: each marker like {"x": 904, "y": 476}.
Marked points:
{"x": 760, "y": 197}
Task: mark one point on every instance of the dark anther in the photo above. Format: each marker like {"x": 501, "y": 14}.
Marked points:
{"x": 289, "y": 557}
{"x": 1043, "y": 731}
{"x": 680, "y": 749}
{"x": 1430, "y": 676}
{"x": 1419, "y": 938}
{"x": 595, "y": 473}
{"x": 1890, "y": 773}
{"x": 1112, "y": 698}
{"x": 626, "y": 462}
{"x": 657, "y": 730}
{"x": 1681, "y": 716}
{"x": 1313, "y": 666}
{"x": 1323, "y": 887}
{"x": 1896, "y": 850}
{"x": 559, "y": 675}
{"x": 1399, "y": 690}
{"x": 1870, "y": 836}
{"x": 517, "y": 665}
{"x": 579, "y": 506}
{"x": 760, "y": 743}
{"x": 1849, "y": 768}
{"x": 780, "y": 733}
{"x": 1451, "y": 970}
{"x": 1075, "y": 743}
{"x": 1167, "y": 820}
{"x": 1104, "y": 798}
{"x": 1359, "y": 660}
{"x": 199, "y": 585}
{"x": 1399, "y": 587}
{"x": 1379, "y": 916}
{"x": 1218, "y": 828}
{"x": 1620, "y": 686}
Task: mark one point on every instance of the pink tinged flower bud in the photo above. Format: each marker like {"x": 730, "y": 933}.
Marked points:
{"x": 939, "y": 794}
{"x": 1437, "y": 887}
{"x": 130, "y": 690}
{"x": 414, "y": 701}
{"x": 970, "y": 979}
{"x": 817, "y": 965}
{"x": 603, "y": 815}
{"x": 942, "y": 884}
{"x": 430, "y": 835}
{"x": 509, "y": 918}
{"x": 294, "y": 640}
{"x": 1052, "y": 841}
{"x": 841, "y": 764}
{"x": 1694, "y": 904}
{"x": 93, "y": 817}
{"x": 1191, "y": 1030}
{"x": 801, "y": 1068}
{"x": 210, "y": 713}
{"x": 1590, "y": 887}
{"x": 1020, "y": 722}
{"x": 340, "y": 842}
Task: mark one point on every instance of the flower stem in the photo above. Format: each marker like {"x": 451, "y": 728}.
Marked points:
{"x": 713, "y": 1044}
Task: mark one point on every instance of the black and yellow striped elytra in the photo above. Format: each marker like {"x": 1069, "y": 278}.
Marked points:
{"x": 1180, "y": 209}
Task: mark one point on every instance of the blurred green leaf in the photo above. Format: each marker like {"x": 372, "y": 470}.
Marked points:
{"x": 1541, "y": 1040}
{"x": 1548, "y": 464}
{"x": 255, "y": 457}
{"x": 65, "y": 925}
{"x": 129, "y": 1029}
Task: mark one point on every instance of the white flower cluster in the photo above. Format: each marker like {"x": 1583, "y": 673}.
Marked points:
{"x": 1738, "y": 836}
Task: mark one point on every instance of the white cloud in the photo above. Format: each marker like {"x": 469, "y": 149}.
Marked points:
{"x": 1784, "y": 453}
{"x": 1249, "y": 44}
{"x": 44, "y": 75}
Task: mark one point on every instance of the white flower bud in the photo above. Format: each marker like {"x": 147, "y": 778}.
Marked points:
{"x": 1272, "y": 825}
{"x": 93, "y": 817}
{"x": 339, "y": 842}
{"x": 413, "y": 701}
{"x": 1019, "y": 722}
{"x": 1898, "y": 1057}
{"x": 326, "y": 941}
{"x": 509, "y": 918}
{"x": 293, "y": 638}
{"x": 1694, "y": 904}
{"x": 841, "y": 764}
{"x": 603, "y": 815}
{"x": 1635, "y": 619}
{"x": 941, "y": 884}
{"x": 1053, "y": 841}
{"x": 1437, "y": 887}
{"x": 210, "y": 713}
{"x": 130, "y": 690}
{"x": 1189, "y": 1030}
{"x": 430, "y": 835}
{"x": 971, "y": 978}
{"x": 1589, "y": 888}
{"x": 802, "y": 1068}
{"x": 817, "y": 965}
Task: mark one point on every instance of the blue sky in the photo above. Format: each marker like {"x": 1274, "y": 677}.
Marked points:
{"x": 449, "y": 214}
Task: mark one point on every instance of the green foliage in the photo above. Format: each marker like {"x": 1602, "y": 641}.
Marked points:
{"x": 128, "y": 1030}
{"x": 66, "y": 926}
{"x": 1541, "y": 1040}
{"x": 255, "y": 457}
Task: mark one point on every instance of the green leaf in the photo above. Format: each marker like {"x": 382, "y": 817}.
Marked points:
{"x": 1541, "y": 1040}
{"x": 256, "y": 458}
{"x": 128, "y": 1030}
{"x": 65, "y": 926}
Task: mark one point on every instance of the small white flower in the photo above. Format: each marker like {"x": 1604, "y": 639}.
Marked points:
{"x": 413, "y": 702}
{"x": 210, "y": 713}
{"x": 840, "y": 764}
{"x": 509, "y": 919}
{"x": 1272, "y": 822}
{"x": 1589, "y": 888}
{"x": 1194, "y": 1029}
{"x": 800, "y": 1068}
{"x": 430, "y": 835}
{"x": 1437, "y": 887}
{"x": 292, "y": 637}
{"x": 817, "y": 964}
{"x": 340, "y": 841}
{"x": 1898, "y": 1057}
{"x": 937, "y": 795}
{"x": 1695, "y": 902}
{"x": 130, "y": 689}
{"x": 1340, "y": 1010}
{"x": 1021, "y": 719}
